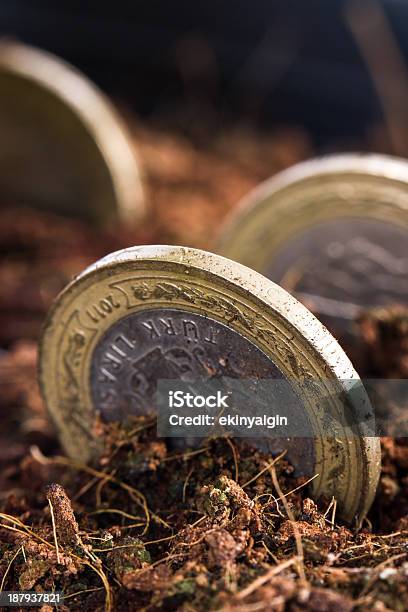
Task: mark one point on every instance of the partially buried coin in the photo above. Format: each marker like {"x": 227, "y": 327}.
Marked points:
{"x": 63, "y": 146}
{"x": 333, "y": 231}
{"x": 159, "y": 312}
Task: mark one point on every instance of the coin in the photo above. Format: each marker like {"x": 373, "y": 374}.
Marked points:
{"x": 333, "y": 231}
{"x": 157, "y": 312}
{"x": 63, "y": 146}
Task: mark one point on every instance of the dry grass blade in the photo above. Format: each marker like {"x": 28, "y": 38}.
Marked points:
{"x": 3, "y": 581}
{"x": 54, "y": 530}
{"x": 185, "y": 456}
{"x": 82, "y": 592}
{"x": 265, "y": 469}
{"x": 298, "y": 539}
{"x": 234, "y": 454}
{"x": 301, "y": 486}
{"x": 115, "y": 511}
{"x": 185, "y": 484}
{"x": 261, "y": 580}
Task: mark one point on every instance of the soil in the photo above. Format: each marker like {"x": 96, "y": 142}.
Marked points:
{"x": 221, "y": 527}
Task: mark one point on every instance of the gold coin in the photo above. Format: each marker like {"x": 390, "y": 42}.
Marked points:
{"x": 158, "y": 312}
{"x": 333, "y": 231}
{"x": 63, "y": 147}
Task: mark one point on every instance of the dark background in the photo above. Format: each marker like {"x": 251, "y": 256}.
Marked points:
{"x": 266, "y": 61}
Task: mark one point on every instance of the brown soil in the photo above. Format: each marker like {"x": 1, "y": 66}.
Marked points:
{"x": 222, "y": 527}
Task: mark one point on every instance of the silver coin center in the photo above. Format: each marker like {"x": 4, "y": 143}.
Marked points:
{"x": 342, "y": 267}
{"x": 167, "y": 343}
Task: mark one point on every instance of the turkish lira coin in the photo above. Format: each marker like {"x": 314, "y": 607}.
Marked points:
{"x": 150, "y": 313}
{"x": 63, "y": 146}
{"x": 333, "y": 231}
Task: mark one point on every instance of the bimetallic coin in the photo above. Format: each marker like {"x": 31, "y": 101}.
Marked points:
{"x": 62, "y": 146}
{"x": 332, "y": 231}
{"x": 160, "y": 312}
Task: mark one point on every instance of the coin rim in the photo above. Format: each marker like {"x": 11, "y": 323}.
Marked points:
{"x": 296, "y": 199}
{"x": 253, "y": 293}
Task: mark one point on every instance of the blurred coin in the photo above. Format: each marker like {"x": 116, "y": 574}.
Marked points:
{"x": 159, "y": 312}
{"x": 332, "y": 231}
{"x": 62, "y": 146}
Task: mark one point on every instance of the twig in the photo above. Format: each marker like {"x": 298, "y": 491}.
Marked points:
{"x": 160, "y": 540}
{"x": 198, "y": 521}
{"x": 143, "y": 570}
{"x": 54, "y": 531}
{"x": 298, "y": 539}
{"x": 88, "y": 485}
{"x": 234, "y": 454}
{"x": 3, "y": 582}
{"x": 82, "y": 592}
{"x": 25, "y": 531}
{"x": 186, "y": 483}
{"x": 115, "y": 511}
{"x": 185, "y": 455}
{"x": 270, "y": 553}
{"x": 333, "y": 507}
{"x": 99, "y": 487}
{"x": 278, "y": 458}
{"x": 304, "y": 484}
{"x": 106, "y": 550}
{"x": 132, "y": 526}
{"x": 200, "y": 539}
{"x": 258, "y": 582}
{"x": 140, "y": 428}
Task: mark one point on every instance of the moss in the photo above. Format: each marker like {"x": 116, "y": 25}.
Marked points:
{"x": 129, "y": 554}
{"x": 186, "y": 586}
{"x": 214, "y": 502}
